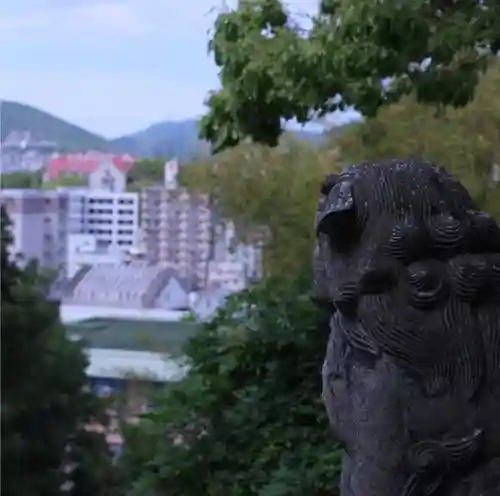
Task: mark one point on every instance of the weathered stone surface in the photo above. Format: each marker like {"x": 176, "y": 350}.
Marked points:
{"x": 410, "y": 269}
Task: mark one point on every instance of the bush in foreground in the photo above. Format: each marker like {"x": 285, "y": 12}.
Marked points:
{"x": 248, "y": 419}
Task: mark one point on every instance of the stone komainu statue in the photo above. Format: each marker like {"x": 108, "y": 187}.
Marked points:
{"x": 410, "y": 269}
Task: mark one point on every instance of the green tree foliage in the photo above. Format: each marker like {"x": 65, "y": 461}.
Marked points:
{"x": 248, "y": 419}
{"x": 45, "y": 406}
{"x": 466, "y": 140}
{"x": 21, "y": 180}
{"x": 66, "y": 181}
{"x": 270, "y": 194}
{"x": 33, "y": 180}
{"x": 271, "y": 69}
{"x": 146, "y": 172}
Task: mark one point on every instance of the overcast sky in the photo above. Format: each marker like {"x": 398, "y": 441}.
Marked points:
{"x": 111, "y": 66}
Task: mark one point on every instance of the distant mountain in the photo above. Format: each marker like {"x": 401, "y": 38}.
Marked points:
{"x": 44, "y": 126}
{"x": 180, "y": 139}
{"x": 163, "y": 139}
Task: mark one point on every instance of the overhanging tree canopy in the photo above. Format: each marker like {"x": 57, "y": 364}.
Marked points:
{"x": 464, "y": 140}
{"x": 271, "y": 69}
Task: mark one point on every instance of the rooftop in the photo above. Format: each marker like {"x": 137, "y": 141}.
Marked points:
{"x": 132, "y": 335}
{"x": 130, "y": 286}
{"x": 78, "y": 313}
{"x": 28, "y": 192}
{"x": 86, "y": 163}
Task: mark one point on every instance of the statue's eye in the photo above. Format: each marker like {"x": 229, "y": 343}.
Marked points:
{"x": 336, "y": 217}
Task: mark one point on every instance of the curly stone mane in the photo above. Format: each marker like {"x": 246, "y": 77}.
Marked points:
{"x": 413, "y": 267}
{"x": 418, "y": 243}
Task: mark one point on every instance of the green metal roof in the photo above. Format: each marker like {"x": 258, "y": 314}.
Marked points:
{"x": 135, "y": 335}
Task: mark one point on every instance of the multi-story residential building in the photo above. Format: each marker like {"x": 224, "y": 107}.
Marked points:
{"x": 113, "y": 218}
{"x": 105, "y": 209}
{"x": 177, "y": 231}
{"x": 39, "y": 225}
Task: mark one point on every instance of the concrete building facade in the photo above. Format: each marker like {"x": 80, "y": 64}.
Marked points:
{"x": 83, "y": 250}
{"x": 104, "y": 209}
{"x": 113, "y": 218}
{"x": 108, "y": 177}
{"x": 229, "y": 274}
{"x": 39, "y": 225}
{"x": 177, "y": 231}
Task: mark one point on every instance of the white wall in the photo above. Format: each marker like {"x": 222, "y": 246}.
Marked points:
{"x": 117, "y": 364}
{"x": 171, "y": 171}
{"x": 107, "y": 177}
{"x": 113, "y": 218}
{"x": 173, "y": 296}
{"x": 83, "y": 250}
{"x": 228, "y": 274}
{"x": 207, "y": 303}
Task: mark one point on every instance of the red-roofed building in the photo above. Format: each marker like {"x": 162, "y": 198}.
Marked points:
{"x": 83, "y": 164}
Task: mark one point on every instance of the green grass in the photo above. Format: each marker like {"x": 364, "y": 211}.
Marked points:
{"x": 135, "y": 335}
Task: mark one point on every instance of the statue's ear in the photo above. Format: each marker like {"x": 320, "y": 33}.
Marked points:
{"x": 337, "y": 205}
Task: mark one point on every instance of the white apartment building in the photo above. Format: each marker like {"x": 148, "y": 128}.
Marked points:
{"x": 104, "y": 209}
{"x": 113, "y": 218}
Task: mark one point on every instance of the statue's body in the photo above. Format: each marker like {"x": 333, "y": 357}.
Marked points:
{"x": 411, "y": 379}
